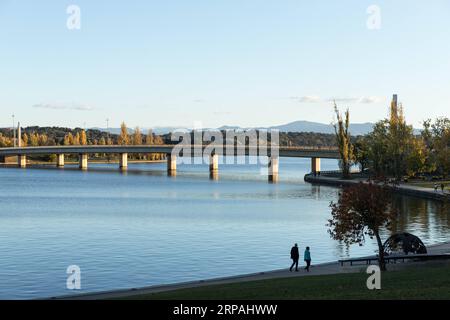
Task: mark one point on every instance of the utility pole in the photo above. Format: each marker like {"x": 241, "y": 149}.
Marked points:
{"x": 14, "y": 131}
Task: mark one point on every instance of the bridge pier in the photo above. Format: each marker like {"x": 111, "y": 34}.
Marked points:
{"x": 171, "y": 165}
{"x": 60, "y": 160}
{"x": 315, "y": 165}
{"x": 214, "y": 167}
{"x": 123, "y": 161}
{"x": 22, "y": 161}
{"x": 83, "y": 159}
{"x": 274, "y": 163}
{"x": 213, "y": 163}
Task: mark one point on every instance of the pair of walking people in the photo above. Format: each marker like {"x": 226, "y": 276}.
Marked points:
{"x": 295, "y": 256}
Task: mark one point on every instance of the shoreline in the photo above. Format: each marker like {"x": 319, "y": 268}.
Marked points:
{"x": 327, "y": 268}
{"x": 402, "y": 188}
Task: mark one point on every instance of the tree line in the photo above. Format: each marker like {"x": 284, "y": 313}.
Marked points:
{"x": 53, "y": 136}
{"x": 392, "y": 149}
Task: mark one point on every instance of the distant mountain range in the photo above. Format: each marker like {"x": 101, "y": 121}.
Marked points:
{"x": 296, "y": 126}
{"x": 307, "y": 126}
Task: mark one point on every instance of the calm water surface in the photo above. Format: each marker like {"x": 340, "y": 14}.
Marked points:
{"x": 144, "y": 228}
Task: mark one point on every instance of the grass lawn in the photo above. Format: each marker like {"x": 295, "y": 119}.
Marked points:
{"x": 410, "y": 283}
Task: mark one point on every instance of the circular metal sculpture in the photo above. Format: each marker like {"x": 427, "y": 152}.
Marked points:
{"x": 404, "y": 243}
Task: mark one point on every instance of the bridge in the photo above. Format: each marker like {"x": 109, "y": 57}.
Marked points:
{"x": 172, "y": 151}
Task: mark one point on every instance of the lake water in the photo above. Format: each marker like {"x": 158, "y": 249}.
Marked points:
{"x": 143, "y": 228}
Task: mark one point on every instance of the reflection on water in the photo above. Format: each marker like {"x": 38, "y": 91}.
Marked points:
{"x": 141, "y": 227}
{"x": 429, "y": 220}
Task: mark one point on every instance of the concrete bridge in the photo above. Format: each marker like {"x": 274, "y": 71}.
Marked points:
{"x": 215, "y": 151}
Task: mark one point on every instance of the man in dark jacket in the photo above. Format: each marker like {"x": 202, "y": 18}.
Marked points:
{"x": 295, "y": 255}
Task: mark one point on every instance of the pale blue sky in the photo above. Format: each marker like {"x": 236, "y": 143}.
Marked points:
{"x": 235, "y": 62}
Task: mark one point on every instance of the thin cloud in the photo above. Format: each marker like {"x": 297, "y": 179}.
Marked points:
{"x": 62, "y": 106}
{"x": 344, "y": 99}
{"x": 364, "y": 99}
{"x": 307, "y": 99}
{"x": 369, "y": 100}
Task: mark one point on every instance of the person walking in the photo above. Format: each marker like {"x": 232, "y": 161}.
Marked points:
{"x": 442, "y": 187}
{"x": 295, "y": 255}
{"x": 307, "y": 258}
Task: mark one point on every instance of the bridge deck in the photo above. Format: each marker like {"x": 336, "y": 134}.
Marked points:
{"x": 298, "y": 152}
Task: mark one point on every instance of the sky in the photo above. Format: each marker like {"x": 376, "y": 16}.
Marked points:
{"x": 221, "y": 62}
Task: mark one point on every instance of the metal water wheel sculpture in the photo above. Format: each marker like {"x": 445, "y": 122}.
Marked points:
{"x": 404, "y": 243}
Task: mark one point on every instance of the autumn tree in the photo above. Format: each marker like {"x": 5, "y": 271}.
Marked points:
{"x": 34, "y": 139}
{"x": 137, "y": 137}
{"x": 149, "y": 138}
{"x": 83, "y": 138}
{"x": 158, "y": 140}
{"x": 400, "y": 135}
{"x": 362, "y": 211}
{"x": 4, "y": 141}
{"x": 25, "y": 139}
{"x": 343, "y": 138}
{"x": 123, "y": 137}
{"x": 102, "y": 141}
{"x": 68, "y": 139}
{"x": 76, "y": 139}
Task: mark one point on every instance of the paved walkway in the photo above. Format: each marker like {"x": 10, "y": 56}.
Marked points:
{"x": 402, "y": 188}
{"x": 321, "y": 269}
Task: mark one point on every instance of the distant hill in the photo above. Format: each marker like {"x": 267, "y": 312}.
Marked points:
{"x": 296, "y": 126}
{"x": 307, "y": 126}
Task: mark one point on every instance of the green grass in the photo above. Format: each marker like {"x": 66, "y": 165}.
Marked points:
{"x": 410, "y": 283}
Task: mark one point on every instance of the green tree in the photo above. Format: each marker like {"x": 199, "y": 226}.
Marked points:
{"x": 361, "y": 152}
{"x": 437, "y": 140}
